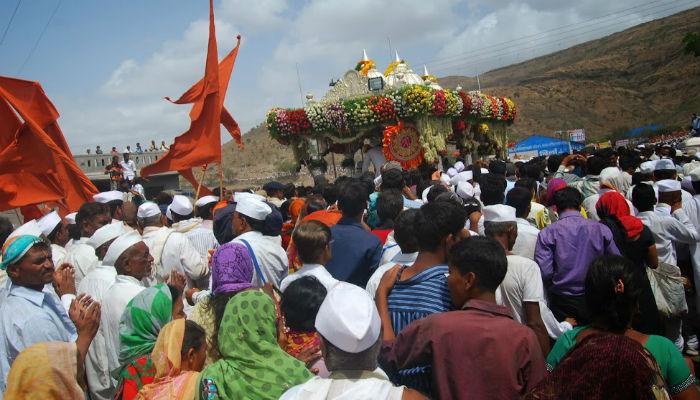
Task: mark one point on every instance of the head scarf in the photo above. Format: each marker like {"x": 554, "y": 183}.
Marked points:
{"x": 144, "y": 317}
{"x": 602, "y": 366}
{"x": 223, "y": 224}
{"x": 613, "y": 204}
{"x": 45, "y": 371}
{"x": 231, "y": 269}
{"x": 15, "y": 248}
{"x": 612, "y": 178}
{"x": 170, "y": 382}
{"x": 253, "y": 365}
{"x": 553, "y": 186}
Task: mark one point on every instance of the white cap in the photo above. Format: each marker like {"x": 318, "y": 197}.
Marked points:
{"x": 348, "y": 318}
{"x": 460, "y": 177}
{"x": 105, "y": 234}
{"x": 451, "y": 172}
{"x": 678, "y": 153}
{"x": 181, "y": 205}
{"x": 445, "y": 179}
{"x": 663, "y": 164}
{"x": 241, "y": 195}
{"x": 203, "y": 201}
{"x": 106, "y": 197}
{"x": 253, "y": 208}
{"x": 148, "y": 209}
{"x": 168, "y": 214}
{"x": 668, "y": 185}
{"x": 48, "y": 222}
{"x": 70, "y": 218}
{"x": 695, "y": 175}
{"x": 647, "y": 167}
{"x": 29, "y": 228}
{"x": 119, "y": 246}
{"x": 484, "y": 171}
{"x": 424, "y": 195}
{"x": 459, "y": 166}
{"x": 499, "y": 213}
{"x": 465, "y": 190}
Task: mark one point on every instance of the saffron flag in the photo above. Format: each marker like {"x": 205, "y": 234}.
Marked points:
{"x": 36, "y": 163}
{"x": 201, "y": 143}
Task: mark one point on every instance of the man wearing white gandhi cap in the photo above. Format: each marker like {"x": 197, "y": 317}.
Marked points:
{"x": 95, "y": 284}
{"x": 132, "y": 261}
{"x": 521, "y": 290}
{"x": 56, "y": 231}
{"x": 114, "y": 199}
{"x": 270, "y": 261}
{"x": 171, "y": 250}
{"x": 182, "y": 214}
{"x": 350, "y": 328}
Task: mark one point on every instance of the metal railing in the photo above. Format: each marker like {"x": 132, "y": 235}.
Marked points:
{"x": 94, "y": 164}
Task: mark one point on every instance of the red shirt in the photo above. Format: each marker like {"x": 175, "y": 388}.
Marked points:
{"x": 478, "y": 352}
{"x": 382, "y": 234}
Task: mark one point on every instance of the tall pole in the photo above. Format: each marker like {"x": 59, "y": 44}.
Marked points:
{"x": 301, "y": 94}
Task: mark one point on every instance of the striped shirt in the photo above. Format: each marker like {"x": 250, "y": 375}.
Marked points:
{"x": 413, "y": 299}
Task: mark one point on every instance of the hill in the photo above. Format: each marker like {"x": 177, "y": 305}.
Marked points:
{"x": 628, "y": 79}
{"x": 631, "y": 78}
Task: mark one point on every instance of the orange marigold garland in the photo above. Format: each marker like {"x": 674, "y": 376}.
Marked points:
{"x": 401, "y": 143}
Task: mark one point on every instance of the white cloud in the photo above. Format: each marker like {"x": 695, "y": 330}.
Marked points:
{"x": 264, "y": 15}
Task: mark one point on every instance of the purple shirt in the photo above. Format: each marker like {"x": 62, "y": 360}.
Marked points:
{"x": 566, "y": 248}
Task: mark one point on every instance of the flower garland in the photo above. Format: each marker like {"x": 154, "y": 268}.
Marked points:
{"x": 344, "y": 118}
{"x": 408, "y": 141}
{"x": 363, "y": 67}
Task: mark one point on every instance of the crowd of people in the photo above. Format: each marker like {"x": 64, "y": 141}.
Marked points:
{"x": 565, "y": 277}
{"x": 138, "y": 149}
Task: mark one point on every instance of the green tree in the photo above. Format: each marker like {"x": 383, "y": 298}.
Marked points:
{"x": 692, "y": 43}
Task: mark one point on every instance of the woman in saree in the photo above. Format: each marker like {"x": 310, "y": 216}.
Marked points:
{"x": 144, "y": 317}
{"x": 232, "y": 272}
{"x": 47, "y": 371}
{"x": 178, "y": 357}
{"x": 253, "y": 365}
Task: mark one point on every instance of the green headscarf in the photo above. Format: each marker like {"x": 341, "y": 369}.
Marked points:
{"x": 253, "y": 366}
{"x": 144, "y": 317}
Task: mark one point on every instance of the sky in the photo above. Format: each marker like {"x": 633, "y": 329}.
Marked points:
{"x": 107, "y": 65}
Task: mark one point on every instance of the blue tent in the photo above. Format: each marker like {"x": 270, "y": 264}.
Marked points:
{"x": 537, "y": 145}
{"x": 639, "y": 130}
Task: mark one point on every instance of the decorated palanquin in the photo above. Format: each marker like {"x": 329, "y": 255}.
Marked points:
{"x": 412, "y": 116}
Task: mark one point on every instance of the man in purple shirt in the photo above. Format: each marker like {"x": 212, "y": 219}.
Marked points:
{"x": 564, "y": 251}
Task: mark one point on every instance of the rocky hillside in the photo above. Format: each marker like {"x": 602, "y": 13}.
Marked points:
{"x": 632, "y": 78}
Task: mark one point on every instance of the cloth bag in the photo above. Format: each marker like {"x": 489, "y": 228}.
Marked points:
{"x": 667, "y": 284}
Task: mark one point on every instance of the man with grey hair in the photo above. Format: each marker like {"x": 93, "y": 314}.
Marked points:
{"x": 521, "y": 289}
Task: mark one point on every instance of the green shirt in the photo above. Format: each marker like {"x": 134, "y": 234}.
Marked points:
{"x": 673, "y": 368}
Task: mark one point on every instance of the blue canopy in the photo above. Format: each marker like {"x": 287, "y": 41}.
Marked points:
{"x": 545, "y": 146}
{"x": 641, "y": 129}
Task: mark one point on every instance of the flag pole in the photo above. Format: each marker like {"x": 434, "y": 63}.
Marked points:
{"x": 221, "y": 183}
{"x": 201, "y": 179}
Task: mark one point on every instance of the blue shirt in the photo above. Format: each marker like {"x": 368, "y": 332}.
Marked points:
{"x": 356, "y": 253}
{"x": 29, "y": 316}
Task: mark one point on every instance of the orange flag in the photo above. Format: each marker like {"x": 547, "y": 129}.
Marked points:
{"x": 36, "y": 163}
{"x": 201, "y": 143}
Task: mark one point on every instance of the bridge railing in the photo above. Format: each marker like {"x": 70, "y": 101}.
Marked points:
{"x": 96, "y": 163}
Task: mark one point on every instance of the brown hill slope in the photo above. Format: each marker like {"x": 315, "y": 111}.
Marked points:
{"x": 628, "y": 79}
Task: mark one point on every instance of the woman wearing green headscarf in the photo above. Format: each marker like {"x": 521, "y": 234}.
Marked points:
{"x": 144, "y": 317}
{"x": 253, "y": 366}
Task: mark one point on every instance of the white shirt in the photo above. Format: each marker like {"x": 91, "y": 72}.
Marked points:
{"x": 369, "y": 385}
{"x": 82, "y": 257}
{"x": 113, "y": 304}
{"x": 667, "y": 230}
{"x": 58, "y": 254}
{"x": 139, "y": 189}
{"x": 201, "y": 235}
{"x": 522, "y": 283}
{"x": 271, "y": 257}
{"x": 96, "y": 284}
{"x": 173, "y": 251}
{"x": 374, "y": 156}
{"x": 129, "y": 169}
{"x": 390, "y": 249}
{"x": 399, "y": 258}
{"x": 316, "y": 270}
{"x": 526, "y": 240}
